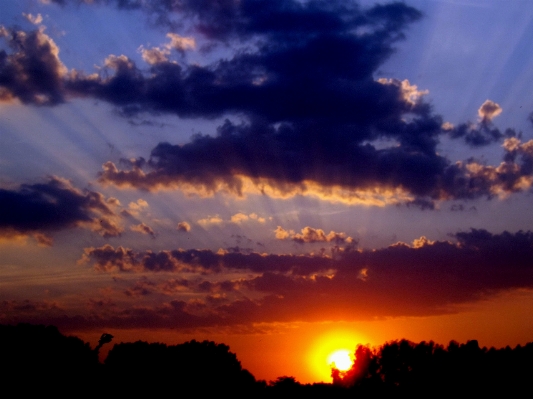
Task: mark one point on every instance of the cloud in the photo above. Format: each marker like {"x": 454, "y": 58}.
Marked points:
{"x": 42, "y": 208}
{"x": 305, "y": 90}
{"x": 425, "y": 278}
{"x": 356, "y": 174}
{"x": 43, "y": 240}
{"x": 210, "y": 220}
{"x": 483, "y": 133}
{"x": 184, "y": 226}
{"x": 157, "y": 55}
{"x": 454, "y": 271}
{"x": 242, "y": 217}
{"x": 514, "y": 174}
{"x": 311, "y": 235}
{"x": 32, "y": 72}
{"x": 109, "y": 259}
{"x": 138, "y": 205}
{"x": 140, "y": 288}
{"x": 143, "y": 229}
{"x": 34, "y": 19}
{"x": 172, "y": 286}
{"x": 239, "y": 218}
{"x": 489, "y": 110}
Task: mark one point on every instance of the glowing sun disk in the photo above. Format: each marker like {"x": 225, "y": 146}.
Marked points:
{"x": 340, "y": 359}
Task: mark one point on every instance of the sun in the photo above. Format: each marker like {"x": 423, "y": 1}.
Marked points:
{"x": 341, "y": 359}
{"x": 334, "y": 346}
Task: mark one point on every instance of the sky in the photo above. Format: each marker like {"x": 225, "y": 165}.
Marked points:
{"x": 287, "y": 177}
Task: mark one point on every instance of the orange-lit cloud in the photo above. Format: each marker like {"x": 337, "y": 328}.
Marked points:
{"x": 210, "y": 220}
{"x": 143, "y": 229}
{"x": 311, "y": 235}
{"x": 242, "y": 217}
{"x": 425, "y": 278}
{"x": 156, "y": 55}
{"x": 34, "y": 19}
{"x": 184, "y": 226}
{"x": 489, "y": 110}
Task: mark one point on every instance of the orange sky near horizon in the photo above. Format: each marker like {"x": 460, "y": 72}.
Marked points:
{"x": 301, "y": 349}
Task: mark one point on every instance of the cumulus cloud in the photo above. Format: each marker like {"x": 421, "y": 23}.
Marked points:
{"x": 312, "y": 235}
{"x": 108, "y": 259}
{"x": 210, "y": 220}
{"x": 135, "y": 208}
{"x": 184, "y": 226}
{"x": 34, "y": 19}
{"x": 306, "y": 90}
{"x": 157, "y": 55}
{"x": 143, "y": 229}
{"x": 242, "y": 217}
{"x": 43, "y": 208}
{"x": 482, "y": 133}
{"x": 32, "y": 72}
{"x": 489, "y": 110}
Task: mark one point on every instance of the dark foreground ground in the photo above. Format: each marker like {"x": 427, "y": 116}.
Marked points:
{"x": 40, "y": 360}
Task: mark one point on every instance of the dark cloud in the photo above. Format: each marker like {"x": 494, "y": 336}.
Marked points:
{"x": 427, "y": 276}
{"x": 484, "y": 132}
{"x": 244, "y": 159}
{"x": 230, "y": 19}
{"x": 140, "y": 288}
{"x": 26, "y": 306}
{"x": 39, "y": 209}
{"x": 107, "y": 258}
{"x": 312, "y": 72}
{"x": 300, "y": 69}
{"x": 478, "y": 135}
{"x": 420, "y": 279}
{"x": 303, "y": 83}
{"x": 31, "y": 72}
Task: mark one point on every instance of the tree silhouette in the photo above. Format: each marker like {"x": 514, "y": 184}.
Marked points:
{"x": 198, "y": 367}
{"x": 41, "y": 359}
{"x": 104, "y": 339}
{"x": 38, "y": 360}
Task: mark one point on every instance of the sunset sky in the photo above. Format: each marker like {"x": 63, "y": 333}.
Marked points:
{"x": 288, "y": 177}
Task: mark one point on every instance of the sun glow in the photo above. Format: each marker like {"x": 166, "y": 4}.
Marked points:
{"x": 332, "y": 349}
{"x": 341, "y": 359}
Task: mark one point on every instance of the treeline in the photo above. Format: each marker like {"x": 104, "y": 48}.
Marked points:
{"x": 39, "y": 359}
{"x": 427, "y": 369}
